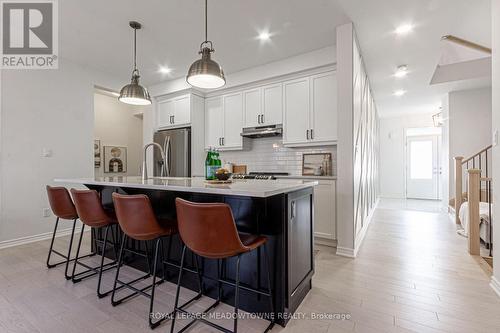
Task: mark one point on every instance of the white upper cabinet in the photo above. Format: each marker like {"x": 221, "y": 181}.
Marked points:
{"x": 296, "y": 105}
{"x": 263, "y": 106}
{"x": 174, "y": 112}
{"x": 214, "y": 122}
{"x": 310, "y": 110}
{"x": 233, "y": 121}
{"x": 253, "y": 107}
{"x": 324, "y": 107}
{"x": 272, "y": 101}
{"x": 224, "y": 122}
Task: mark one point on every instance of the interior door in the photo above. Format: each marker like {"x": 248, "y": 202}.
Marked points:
{"x": 422, "y": 174}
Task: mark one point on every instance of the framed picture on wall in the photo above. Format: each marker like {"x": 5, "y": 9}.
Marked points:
{"x": 115, "y": 159}
{"x": 97, "y": 153}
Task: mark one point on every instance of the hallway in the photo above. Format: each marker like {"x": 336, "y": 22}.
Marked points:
{"x": 412, "y": 272}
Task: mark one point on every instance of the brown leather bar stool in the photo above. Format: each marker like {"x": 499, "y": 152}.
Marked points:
{"x": 209, "y": 230}
{"x": 138, "y": 222}
{"x": 63, "y": 208}
{"x": 92, "y": 214}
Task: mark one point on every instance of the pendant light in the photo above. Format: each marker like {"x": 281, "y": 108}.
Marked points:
{"x": 134, "y": 93}
{"x": 206, "y": 73}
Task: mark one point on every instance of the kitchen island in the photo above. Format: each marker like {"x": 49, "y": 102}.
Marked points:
{"x": 282, "y": 210}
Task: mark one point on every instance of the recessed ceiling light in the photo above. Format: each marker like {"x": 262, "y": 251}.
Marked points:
{"x": 264, "y": 36}
{"x": 404, "y": 29}
{"x": 165, "y": 70}
{"x": 401, "y": 71}
{"x": 399, "y": 92}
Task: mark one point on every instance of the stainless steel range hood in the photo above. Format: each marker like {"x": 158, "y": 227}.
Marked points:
{"x": 262, "y": 131}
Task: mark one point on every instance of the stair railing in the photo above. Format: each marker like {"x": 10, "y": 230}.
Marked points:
{"x": 480, "y": 161}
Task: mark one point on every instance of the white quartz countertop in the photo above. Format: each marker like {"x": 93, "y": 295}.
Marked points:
{"x": 250, "y": 188}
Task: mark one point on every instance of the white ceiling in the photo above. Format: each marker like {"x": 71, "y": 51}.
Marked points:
{"x": 383, "y": 51}
{"x": 96, "y": 33}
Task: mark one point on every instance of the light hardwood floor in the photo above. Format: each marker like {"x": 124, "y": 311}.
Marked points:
{"x": 413, "y": 274}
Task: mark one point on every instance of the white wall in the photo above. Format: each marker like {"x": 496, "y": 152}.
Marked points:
{"x": 358, "y": 145}
{"x": 116, "y": 125}
{"x": 51, "y": 109}
{"x": 469, "y": 125}
{"x": 495, "y": 279}
{"x": 392, "y": 152}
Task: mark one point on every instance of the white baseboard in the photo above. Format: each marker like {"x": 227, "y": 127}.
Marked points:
{"x": 345, "y": 252}
{"x": 352, "y": 253}
{"x": 37, "y": 238}
{"x": 495, "y": 285}
{"x": 325, "y": 241}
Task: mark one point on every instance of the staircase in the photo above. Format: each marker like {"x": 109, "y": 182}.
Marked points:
{"x": 473, "y": 185}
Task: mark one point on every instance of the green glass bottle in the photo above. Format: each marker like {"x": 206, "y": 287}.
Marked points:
{"x": 218, "y": 162}
{"x": 209, "y": 174}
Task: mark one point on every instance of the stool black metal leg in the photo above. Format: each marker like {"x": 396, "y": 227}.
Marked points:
{"x": 103, "y": 252}
{"x": 49, "y": 265}
{"x": 269, "y": 289}
{"x": 237, "y": 294}
{"x": 68, "y": 277}
{"x": 78, "y": 253}
{"x": 176, "y": 304}
{"x": 120, "y": 258}
{"x": 152, "y": 299}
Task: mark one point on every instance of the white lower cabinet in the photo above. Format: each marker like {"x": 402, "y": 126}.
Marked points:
{"x": 325, "y": 226}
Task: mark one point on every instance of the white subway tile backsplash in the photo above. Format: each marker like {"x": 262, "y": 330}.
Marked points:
{"x": 269, "y": 155}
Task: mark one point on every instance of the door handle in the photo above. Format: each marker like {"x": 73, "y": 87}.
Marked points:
{"x": 292, "y": 210}
{"x": 312, "y": 136}
{"x": 262, "y": 117}
{"x": 223, "y": 141}
{"x": 307, "y": 134}
{"x": 258, "y": 119}
{"x": 173, "y": 119}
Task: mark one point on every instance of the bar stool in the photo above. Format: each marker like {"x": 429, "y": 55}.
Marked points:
{"x": 92, "y": 214}
{"x": 209, "y": 230}
{"x": 64, "y": 209}
{"x": 138, "y": 222}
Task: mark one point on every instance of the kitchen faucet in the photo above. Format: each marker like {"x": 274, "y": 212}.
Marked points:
{"x": 144, "y": 163}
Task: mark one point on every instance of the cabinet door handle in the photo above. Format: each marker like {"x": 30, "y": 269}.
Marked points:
{"x": 307, "y": 134}
{"x": 292, "y": 210}
{"x": 173, "y": 119}
{"x": 312, "y": 135}
{"x": 258, "y": 119}
{"x": 262, "y": 117}
{"x": 223, "y": 141}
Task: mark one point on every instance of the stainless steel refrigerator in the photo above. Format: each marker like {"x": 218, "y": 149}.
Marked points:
{"x": 176, "y": 144}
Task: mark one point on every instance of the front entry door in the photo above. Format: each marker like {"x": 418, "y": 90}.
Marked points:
{"x": 422, "y": 173}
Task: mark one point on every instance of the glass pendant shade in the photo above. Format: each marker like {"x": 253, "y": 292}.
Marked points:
{"x": 133, "y": 93}
{"x": 206, "y": 73}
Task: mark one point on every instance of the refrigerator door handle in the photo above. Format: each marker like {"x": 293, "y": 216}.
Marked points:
{"x": 166, "y": 150}
{"x": 168, "y": 155}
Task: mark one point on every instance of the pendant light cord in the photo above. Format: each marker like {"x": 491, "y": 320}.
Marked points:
{"x": 206, "y": 20}
{"x": 135, "y": 49}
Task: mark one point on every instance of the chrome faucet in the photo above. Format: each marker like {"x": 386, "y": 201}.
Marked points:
{"x": 144, "y": 163}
